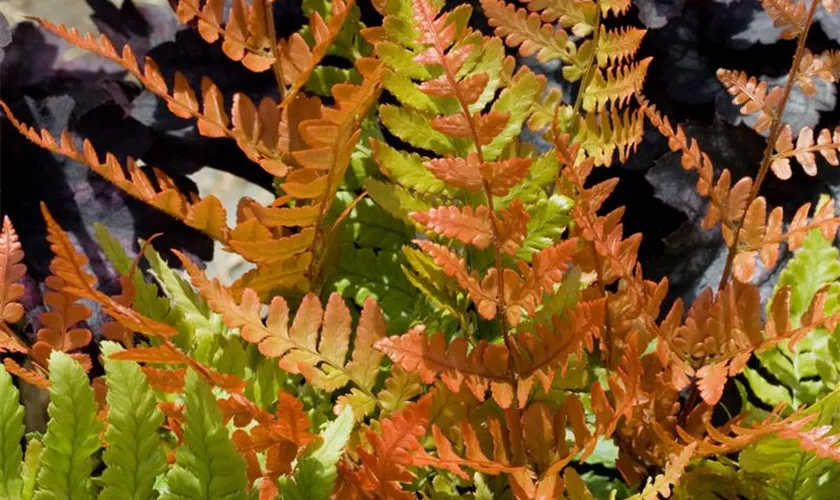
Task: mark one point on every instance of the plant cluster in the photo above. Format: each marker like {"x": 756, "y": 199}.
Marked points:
{"x": 437, "y": 307}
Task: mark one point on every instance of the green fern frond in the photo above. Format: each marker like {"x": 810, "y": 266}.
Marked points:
{"x": 31, "y": 467}
{"x": 548, "y": 220}
{"x": 72, "y": 433}
{"x": 810, "y": 370}
{"x": 11, "y": 433}
{"x": 207, "y": 465}
{"x": 315, "y": 473}
{"x": 134, "y": 456}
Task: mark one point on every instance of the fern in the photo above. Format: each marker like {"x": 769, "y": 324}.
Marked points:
{"x": 72, "y": 433}
{"x": 315, "y": 474}
{"x": 134, "y": 457}
{"x": 208, "y": 465}
{"x": 11, "y": 416}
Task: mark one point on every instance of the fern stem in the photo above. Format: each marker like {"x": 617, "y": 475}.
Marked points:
{"x": 276, "y": 67}
{"x": 591, "y": 67}
{"x": 775, "y": 129}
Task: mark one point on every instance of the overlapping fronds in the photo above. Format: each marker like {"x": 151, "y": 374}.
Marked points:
{"x": 248, "y": 35}
{"x": 317, "y": 343}
{"x": 485, "y": 367}
{"x": 69, "y": 266}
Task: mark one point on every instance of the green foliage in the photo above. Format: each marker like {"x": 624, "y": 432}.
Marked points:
{"x": 11, "y": 433}
{"x": 208, "y": 465}
{"x": 72, "y": 433}
{"x": 134, "y": 456}
{"x": 315, "y": 473}
{"x": 810, "y": 370}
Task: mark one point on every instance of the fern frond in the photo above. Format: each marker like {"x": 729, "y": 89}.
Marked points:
{"x": 811, "y": 66}
{"x": 298, "y": 60}
{"x": 206, "y": 215}
{"x": 753, "y": 95}
{"x": 31, "y": 377}
{"x": 615, "y": 85}
{"x": 603, "y": 133}
{"x": 827, "y": 145}
{"x": 134, "y": 456}
{"x": 315, "y": 474}
{"x": 662, "y": 483}
{"x": 618, "y": 46}
{"x": 60, "y": 323}
{"x": 72, "y": 432}
{"x": 69, "y": 265}
{"x": 575, "y": 14}
{"x": 207, "y": 465}
{"x": 468, "y": 225}
{"x": 11, "y": 433}
{"x": 789, "y": 15}
{"x": 617, "y": 7}
{"x": 11, "y": 270}
{"x": 245, "y": 34}
{"x": 321, "y": 362}
{"x": 211, "y": 117}
{"x": 520, "y": 29}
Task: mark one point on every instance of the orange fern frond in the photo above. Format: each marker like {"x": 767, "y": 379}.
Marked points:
{"x": 317, "y": 343}
{"x": 827, "y": 145}
{"x": 456, "y": 267}
{"x": 213, "y": 120}
{"x": 168, "y": 353}
{"x": 392, "y": 450}
{"x": 11, "y": 271}
{"x": 753, "y": 95}
{"x": 761, "y": 234}
{"x": 789, "y": 15}
{"x": 520, "y": 29}
{"x": 61, "y": 329}
{"x": 298, "y": 60}
{"x": 820, "y": 66}
{"x": 69, "y": 264}
{"x": 615, "y": 85}
{"x": 245, "y": 35}
{"x": 473, "y": 457}
{"x": 206, "y": 215}
{"x": 468, "y": 225}
{"x": 662, "y": 483}
{"x": 482, "y": 367}
{"x": 617, "y": 7}
{"x": 31, "y": 377}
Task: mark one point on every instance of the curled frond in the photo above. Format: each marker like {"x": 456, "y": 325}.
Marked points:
{"x": 753, "y": 95}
